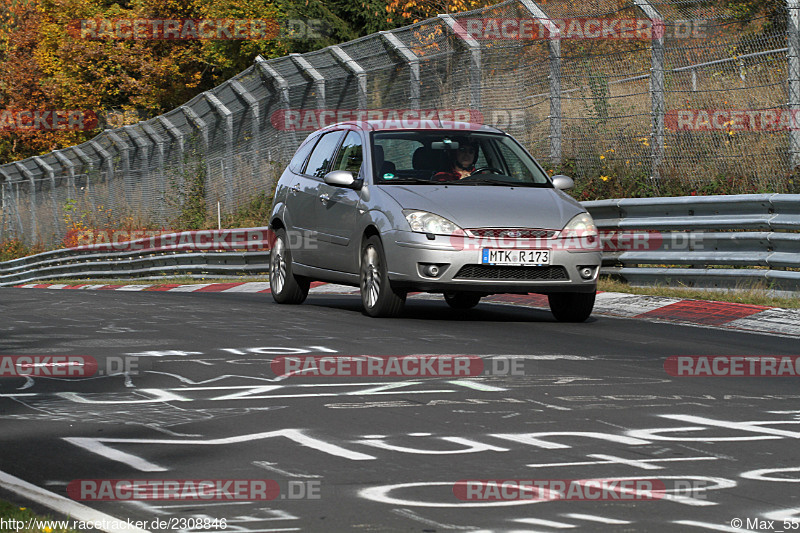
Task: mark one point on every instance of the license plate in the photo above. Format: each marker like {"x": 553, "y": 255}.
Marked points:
{"x": 493, "y": 256}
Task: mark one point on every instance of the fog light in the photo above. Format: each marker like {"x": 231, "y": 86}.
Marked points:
{"x": 431, "y": 270}
{"x": 586, "y": 272}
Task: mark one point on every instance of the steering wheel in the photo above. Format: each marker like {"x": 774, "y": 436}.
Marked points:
{"x": 486, "y": 169}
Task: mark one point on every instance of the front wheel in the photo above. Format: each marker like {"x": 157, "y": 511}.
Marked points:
{"x": 571, "y": 306}
{"x": 286, "y": 288}
{"x": 377, "y": 295}
{"x": 462, "y": 300}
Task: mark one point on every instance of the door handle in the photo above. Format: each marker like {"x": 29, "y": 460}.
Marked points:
{"x": 324, "y": 198}
{"x": 294, "y": 189}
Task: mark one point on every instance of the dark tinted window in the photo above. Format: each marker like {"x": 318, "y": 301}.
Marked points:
{"x": 350, "y": 155}
{"x": 322, "y": 155}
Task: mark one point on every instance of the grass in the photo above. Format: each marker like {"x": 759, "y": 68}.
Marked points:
{"x": 750, "y": 296}
{"x": 9, "y": 511}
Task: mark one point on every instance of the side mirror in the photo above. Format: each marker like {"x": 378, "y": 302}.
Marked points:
{"x": 342, "y": 178}
{"x": 563, "y": 182}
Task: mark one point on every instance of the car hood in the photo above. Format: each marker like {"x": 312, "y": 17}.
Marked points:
{"x": 489, "y": 206}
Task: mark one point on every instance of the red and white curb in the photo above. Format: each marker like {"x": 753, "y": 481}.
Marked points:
{"x": 655, "y": 308}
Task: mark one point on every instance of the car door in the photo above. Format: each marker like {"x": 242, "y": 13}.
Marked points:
{"x": 302, "y": 195}
{"x": 336, "y": 209}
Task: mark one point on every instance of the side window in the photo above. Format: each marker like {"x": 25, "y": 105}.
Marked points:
{"x": 350, "y": 154}
{"x": 321, "y": 157}
{"x": 296, "y": 164}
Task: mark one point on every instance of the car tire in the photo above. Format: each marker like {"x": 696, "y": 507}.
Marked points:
{"x": 462, "y": 300}
{"x": 377, "y": 295}
{"x": 286, "y": 288}
{"x": 571, "y": 306}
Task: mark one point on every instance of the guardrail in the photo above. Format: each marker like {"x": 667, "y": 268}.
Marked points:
{"x": 694, "y": 241}
{"x": 703, "y": 241}
{"x": 209, "y": 253}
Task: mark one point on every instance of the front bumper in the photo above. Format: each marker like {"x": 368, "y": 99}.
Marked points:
{"x": 460, "y": 269}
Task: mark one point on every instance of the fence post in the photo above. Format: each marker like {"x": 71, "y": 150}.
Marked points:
{"x": 282, "y": 87}
{"x": 793, "y": 31}
{"x": 227, "y": 170}
{"x": 475, "y": 78}
{"x": 312, "y": 74}
{"x": 52, "y": 178}
{"x": 70, "y": 167}
{"x": 354, "y": 68}
{"x": 413, "y": 65}
{"x": 4, "y": 204}
{"x": 124, "y": 151}
{"x": 656, "y": 85}
{"x": 88, "y": 166}
{"x": 255, "y": 111}
{"x": 201, "y": 125}
{"x": 158, "y": 143}
{"x": 176, "y": 134}
{"x": 31, "y": 202}
{"x": 554, "y": 50}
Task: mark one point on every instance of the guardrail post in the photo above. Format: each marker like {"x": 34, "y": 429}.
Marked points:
{"x": 52, "y": 178}
{"x": 227, "y": 163}
{"x": 31, "y": 237}
{"x": 312, "y": 74}
{"x": 656, "y": 85}
{"x": 158, "y": 144}
{"x": 355, "y": 69}
{"x": 554, "y": 51}
{"x": 793, "y": 31}
{"x": 475, "y": 78}
{"x": 413, "y": 65}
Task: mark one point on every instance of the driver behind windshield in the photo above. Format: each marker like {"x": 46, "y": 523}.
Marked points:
{"x": 463, "y": 161}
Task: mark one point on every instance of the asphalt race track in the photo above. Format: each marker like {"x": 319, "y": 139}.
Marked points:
{"x": 186, "y": 390}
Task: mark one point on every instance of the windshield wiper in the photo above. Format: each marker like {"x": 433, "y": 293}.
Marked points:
{"x": 406, "y": 181}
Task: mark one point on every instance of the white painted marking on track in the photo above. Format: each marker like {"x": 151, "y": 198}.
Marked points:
{"x": 595, "y": 518}
{"x": 545, "y": 523}
{"x": 65, "y": 506}
{"x": 476, "y": 385}
{"x": 189, "y": 288}
{"x": 253, "y": 286}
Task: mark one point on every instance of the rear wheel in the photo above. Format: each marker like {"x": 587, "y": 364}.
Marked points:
{"x": 571, "y": 306}
{"x": 377, "y": 294}
{"x": 462, "y": 300}
{"x": 286, "y": 288}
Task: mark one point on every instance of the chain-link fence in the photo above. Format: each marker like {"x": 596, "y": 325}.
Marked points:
{"x": 662, "y": 89}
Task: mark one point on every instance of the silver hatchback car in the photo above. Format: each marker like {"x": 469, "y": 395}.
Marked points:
{"x": 458, "y": 209}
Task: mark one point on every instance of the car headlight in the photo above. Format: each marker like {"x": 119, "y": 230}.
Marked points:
{"x": 425, "y": 222}
{"x": 582, "y": 226}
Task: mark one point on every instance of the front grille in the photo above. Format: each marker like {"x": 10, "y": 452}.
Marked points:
{"x": 513, "y": 273}
{"x": 516, "y": 233}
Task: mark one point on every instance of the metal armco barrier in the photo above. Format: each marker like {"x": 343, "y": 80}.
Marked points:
{"x": 228, "y": 252}
{"x": 702, "y": 241}
{"x": 694, "y": 241}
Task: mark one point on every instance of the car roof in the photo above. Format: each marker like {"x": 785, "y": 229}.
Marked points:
{"x": 416, "y": 125}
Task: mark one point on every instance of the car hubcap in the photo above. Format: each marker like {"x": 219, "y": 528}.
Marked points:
{"x": 277, "y": 270}
{"x": 370, "y": 277}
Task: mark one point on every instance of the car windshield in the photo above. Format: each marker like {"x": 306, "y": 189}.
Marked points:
{"x": 454, "y": 158}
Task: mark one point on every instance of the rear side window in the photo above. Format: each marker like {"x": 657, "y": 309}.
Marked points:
{"x": 296, "y": 164}
{"x": 321, "y": 157}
